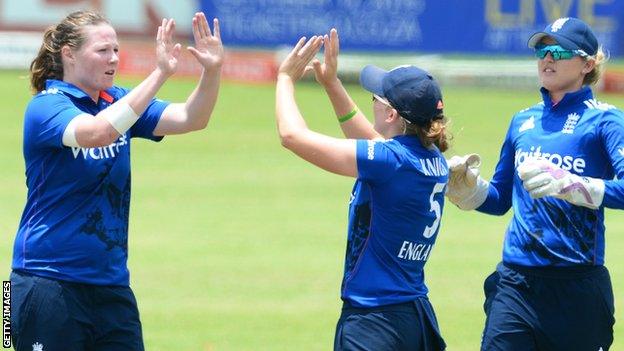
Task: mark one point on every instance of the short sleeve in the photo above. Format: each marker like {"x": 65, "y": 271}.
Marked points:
{"x": 46, "y": 118}
{"x": 376, "y": 161}
{"x": 144, "y": 127}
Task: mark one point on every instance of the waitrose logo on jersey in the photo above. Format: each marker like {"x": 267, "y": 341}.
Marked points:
{"x": 99, "y": 153}
{"x": 566, "y": 162}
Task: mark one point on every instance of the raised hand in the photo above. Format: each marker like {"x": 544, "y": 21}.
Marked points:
{"x": 296, "y": 63}
{"x": 167, "y": 52}
{"x": 326, "y": 72}
{"x": 208, "y": 48}
{"x": 541, "y": 178}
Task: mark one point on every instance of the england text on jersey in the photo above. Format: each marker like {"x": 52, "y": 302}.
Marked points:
{"x": 414, "y": 251}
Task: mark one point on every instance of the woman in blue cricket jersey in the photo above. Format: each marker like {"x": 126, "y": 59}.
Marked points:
{"x": 397, "y": 200}
{"x": 561, "y": 164}
{"x": 70, "y": 280}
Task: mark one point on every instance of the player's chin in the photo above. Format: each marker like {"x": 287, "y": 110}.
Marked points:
{"x": 106, "y": 83}
{"x": 549, "y": 82}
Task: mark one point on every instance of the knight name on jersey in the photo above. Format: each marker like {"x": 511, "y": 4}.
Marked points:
{"x": 433, "y": 167}
{"x": 566, "y": 162}
{"x": 414, "y": 251}
{"x": 103, "y": 152}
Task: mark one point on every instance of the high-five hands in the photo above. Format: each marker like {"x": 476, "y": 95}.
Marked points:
{"x": 541, "y": 178}
{"x": 208, "y": 49}
{"x": 326, "y": 73}
{"x": 297, "y": 61}
{"x": 167, "y": 53}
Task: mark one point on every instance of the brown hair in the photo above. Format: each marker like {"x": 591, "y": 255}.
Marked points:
{"x": 48, "y": 63}
{"x": 431, "y": 133}
{"x": 593, "y": 77}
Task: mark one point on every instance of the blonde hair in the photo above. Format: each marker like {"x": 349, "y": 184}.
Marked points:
{"x": 48, "y": 63}
{"x": 433, "y": 132}
{"x": 600, "y": 59}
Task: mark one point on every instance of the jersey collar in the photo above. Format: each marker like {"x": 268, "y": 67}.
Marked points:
{"x": 70, "y": 89}
{"x": 569, "y": 99}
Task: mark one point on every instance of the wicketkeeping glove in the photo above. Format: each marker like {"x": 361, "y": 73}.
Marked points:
{"x": 466, "y": 188}
{"x": 541, "y": 177}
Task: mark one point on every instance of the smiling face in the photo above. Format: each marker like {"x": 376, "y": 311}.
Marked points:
{"x": 562, "y": 76}
{"x": 92, "y": 67}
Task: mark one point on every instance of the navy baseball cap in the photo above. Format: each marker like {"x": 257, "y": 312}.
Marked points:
{"x": 411, "y": 91}
{"x": 571, "y": 33}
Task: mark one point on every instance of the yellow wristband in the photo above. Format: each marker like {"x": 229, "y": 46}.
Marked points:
{"x": 348, "y": 116}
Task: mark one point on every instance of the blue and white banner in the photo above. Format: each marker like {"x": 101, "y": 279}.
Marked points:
{"x": 445, "y": 26}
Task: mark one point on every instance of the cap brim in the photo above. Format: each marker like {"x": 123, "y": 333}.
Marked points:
{"x": 565, "y": 43}
{"x": 535, "y": 38}
{"x": 371, "y": 79}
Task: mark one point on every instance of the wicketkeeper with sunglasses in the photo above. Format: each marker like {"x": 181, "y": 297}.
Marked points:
{"x": 561, "y": 164}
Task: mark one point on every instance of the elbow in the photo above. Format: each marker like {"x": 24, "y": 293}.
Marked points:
{"x": 288, "y": 140}
{"x": 292, "y": 139}
{"x": 500, "y": 212}
{"x": 200, "y": 126}
{"x": 99, "y": 139}
{"x": 193, "y": 123}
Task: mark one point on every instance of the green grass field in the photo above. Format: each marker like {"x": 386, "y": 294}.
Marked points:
{"x": 236, "y": 244}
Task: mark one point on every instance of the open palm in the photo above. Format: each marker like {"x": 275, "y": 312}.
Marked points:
{"x": 167, "y": 52}
{"x": 208, "y": 49}
{"x": 326, "y": 72}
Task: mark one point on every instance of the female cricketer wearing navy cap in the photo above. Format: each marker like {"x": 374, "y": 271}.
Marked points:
{"x": 70, "y": 280}
{"x": 397, "y": 200}
{"x": 557, "y": 169}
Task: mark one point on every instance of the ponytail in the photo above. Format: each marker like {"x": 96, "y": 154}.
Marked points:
{"x": 431, "y": 133}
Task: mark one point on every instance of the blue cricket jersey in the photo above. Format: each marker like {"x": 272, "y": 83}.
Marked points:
{"x": 582, "y": 136}
{"x": 75, "y": 223}
{"x": 394, "y": 218}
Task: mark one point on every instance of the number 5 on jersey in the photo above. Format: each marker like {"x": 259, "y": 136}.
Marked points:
{"x": 435, "y": 208}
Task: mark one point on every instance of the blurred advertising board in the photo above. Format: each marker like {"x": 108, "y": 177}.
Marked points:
{"x": 22, "y": 24}
{"x": 440, "y": 26}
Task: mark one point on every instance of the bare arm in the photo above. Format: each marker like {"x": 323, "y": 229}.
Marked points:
{"x": 95, "y": 132}
{"x": 334, "y": 155}
{"x": 357, "y": 127}
{"x": 194, "y": 114}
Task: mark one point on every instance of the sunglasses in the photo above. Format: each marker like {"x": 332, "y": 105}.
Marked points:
{"x": 380, "y": 99}
{"x": 557, "y": 52}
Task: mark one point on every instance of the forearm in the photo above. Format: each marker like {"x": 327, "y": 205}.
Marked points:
{"x": 201, "y": 102}
{"x": 496, "y": 203}
{"x": 614, "y": 194}
{"x": 289, "y": 120}
{"x": 115, "y": 120}
{"x": 357, "y": 127}
{"x": 139, "y": 97}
